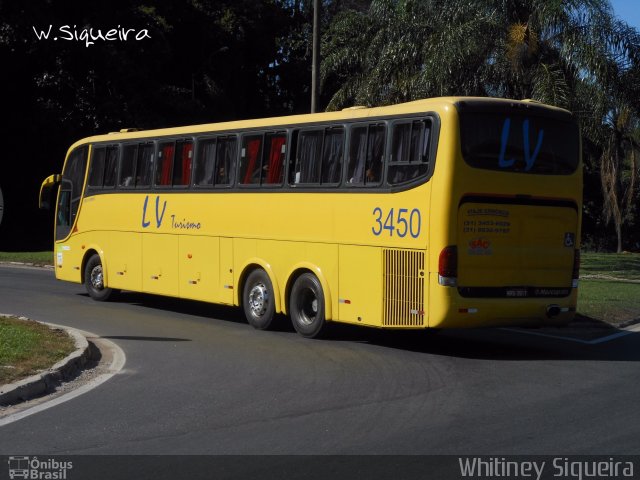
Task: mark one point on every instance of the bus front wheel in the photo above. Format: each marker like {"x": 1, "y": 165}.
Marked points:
{"x": 258, "y": 300}
{"x": 94, "y": 280}
{"x": 306, "y": 306}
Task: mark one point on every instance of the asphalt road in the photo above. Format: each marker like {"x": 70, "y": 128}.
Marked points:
{"x": 198, "y": 380}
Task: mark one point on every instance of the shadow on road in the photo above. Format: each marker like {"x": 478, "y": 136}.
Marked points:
{"x": 178, "y": 305}
{"x": 482, "y": 344}
{"x": 498, "y": 344}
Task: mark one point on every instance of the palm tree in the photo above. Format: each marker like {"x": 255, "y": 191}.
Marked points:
{"x": 619, "y": 168}
{"x": 407, "y": 49}
{"x": 610, "y": 113}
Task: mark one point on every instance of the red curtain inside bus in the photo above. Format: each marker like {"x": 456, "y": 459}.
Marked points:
{"x": 253, "y": 148}
{"x": 276, "y": 157}
{"x": 167, "y": 160}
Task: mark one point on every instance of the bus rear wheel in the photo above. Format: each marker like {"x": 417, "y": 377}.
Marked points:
{"x": 258, "y": 300}
{"x": 94, "y": 280}
{"x": 306, "y": 306}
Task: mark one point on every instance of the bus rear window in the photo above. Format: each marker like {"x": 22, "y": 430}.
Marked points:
{"x": 517, "y": 142}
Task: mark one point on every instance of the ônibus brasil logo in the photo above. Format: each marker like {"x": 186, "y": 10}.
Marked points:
{"x": 33, "y": 468}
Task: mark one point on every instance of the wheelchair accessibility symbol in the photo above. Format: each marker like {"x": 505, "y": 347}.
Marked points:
{"x": 569, "y": 239}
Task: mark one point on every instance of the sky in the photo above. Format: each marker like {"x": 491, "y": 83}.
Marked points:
{"x": 628, "y": 10}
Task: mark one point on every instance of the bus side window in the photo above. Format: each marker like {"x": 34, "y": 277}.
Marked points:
{"x": 182, "y": 163}
{"x": 225, "y": 160}
{"x": 111, "y": 166}
{"x": 409, "y": 152}
{"x": 357, "y": 156}
{"x": 205, "y": 162}
{"x": 308, "y": 157}
{"x": 128, "y": 166}
{"x": 317, "y": 158}
{"x": 366, "y": 155}
{"x": 64, "y": 210}
{"x": 96, "y": 169}
{"x": 332, "y": 155}
{"x": 293, "y": 149}
{"x": 144, "y": 165}
{"x": 76, "y": 172}
{"x": 250, "y": 160}
{"x": 375, "y": 154}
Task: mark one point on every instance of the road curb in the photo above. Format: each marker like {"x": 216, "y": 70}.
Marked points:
{"x": 26, "y": 265}
{"x": 47, "y": 380}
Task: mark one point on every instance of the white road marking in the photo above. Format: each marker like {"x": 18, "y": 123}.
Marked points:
{"x": 595, "y": 341}
{"x": 117, "y": 363}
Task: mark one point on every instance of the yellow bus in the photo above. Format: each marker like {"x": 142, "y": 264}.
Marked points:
{"x": 437, "y": 213}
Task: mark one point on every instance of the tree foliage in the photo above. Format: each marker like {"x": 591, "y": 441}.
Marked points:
{"x": 212, "y": 60}
{"x": 206, "y": 61}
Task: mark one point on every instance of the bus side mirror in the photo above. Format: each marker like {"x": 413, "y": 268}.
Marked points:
{"x": 46, "y": 190}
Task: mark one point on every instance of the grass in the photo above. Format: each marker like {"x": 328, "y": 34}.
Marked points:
{"x": 623, "y": 266}
{"x": 36, "y": 258}
{"x": 28, "y": 347}
{"x": 614, "y": 303}
{"x": 610, "y": 287}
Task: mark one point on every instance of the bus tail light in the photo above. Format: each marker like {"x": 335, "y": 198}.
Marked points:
{"x": 448, "y": 266}
{"x": 576, "y": 269}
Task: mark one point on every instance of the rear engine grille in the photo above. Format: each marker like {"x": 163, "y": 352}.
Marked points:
{"x": 403, "y": 293}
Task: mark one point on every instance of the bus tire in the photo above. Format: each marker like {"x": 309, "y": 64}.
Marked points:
{"x": 94, "y": 280}
{"x": 258, "y": 300}
{"x": 306, "y": 306}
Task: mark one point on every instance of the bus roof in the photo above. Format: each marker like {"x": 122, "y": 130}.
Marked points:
{"x": 438, "y": 104}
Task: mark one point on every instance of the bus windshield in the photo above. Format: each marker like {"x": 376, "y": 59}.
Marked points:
{"x": 519, "y": 141}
